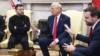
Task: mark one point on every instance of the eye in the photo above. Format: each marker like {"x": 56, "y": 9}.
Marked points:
{"x": 86, "y": 17}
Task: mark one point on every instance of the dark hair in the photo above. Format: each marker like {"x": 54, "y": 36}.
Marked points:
{"x": 18, "y": 5}
{"x": 93, "y": 10}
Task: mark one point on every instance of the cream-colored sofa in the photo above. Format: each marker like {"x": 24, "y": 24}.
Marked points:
{"x": 76, "y": 24}
{"x": 10, "y": 13}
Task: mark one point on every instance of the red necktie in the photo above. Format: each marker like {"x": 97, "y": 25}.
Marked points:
{"x": 91, "y": 31}
{"x": 54, "y": 33}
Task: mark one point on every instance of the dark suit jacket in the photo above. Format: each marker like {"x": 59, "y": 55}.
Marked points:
{"x": 94, "y": 43}
{"x": 60, "y": 28}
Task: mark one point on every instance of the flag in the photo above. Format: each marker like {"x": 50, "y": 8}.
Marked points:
{"x": 14, "y": 3}
{"x": 96, "y": 3}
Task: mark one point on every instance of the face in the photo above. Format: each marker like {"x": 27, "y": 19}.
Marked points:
{"x": 20, "y": 10}
{"x": 55, "y": 10}
{"x": 88, "y": 19}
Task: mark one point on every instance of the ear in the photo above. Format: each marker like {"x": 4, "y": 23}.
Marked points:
{"x": 95, "y": 17}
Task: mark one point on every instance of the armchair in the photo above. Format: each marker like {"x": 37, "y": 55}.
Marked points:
{"x": 10, "y": 13}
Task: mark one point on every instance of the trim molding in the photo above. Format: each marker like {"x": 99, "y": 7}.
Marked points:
{"x": 61, "y": 1}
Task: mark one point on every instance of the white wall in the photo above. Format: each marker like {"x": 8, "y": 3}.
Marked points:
{"x": 4, "y": 6}
{"x": 42, "y": 11}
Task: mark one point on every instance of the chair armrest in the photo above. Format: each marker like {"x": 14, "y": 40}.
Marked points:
{"x": 29, "y": 34}
{"x": 6, "y": 31}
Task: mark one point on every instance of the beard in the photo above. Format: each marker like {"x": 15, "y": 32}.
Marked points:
{"x": 21, "y": 14}
{"x": 89, "y": 24}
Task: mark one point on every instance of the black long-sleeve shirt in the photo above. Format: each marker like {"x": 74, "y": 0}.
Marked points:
{"x": 22, "y": 24}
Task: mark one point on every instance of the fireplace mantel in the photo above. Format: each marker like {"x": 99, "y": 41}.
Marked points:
{"x": 61, "y": 1}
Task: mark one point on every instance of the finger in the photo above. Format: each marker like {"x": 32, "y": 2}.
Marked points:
{"x": 31, "y": 26}
{"x": 50, "y": 46}
{"x": 71, "y": 43}
{"x": 66, "y": 26}
{"x": 65, "y": 49}
{"x": 66, "y": 30}
{"x": 65, "y": 44}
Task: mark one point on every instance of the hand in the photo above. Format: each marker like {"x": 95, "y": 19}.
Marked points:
{"x": 25, "y": 25}
{"x": 34, "y": 28}
{"x": 15, "y": 27}
{"x": 52, "y": 44}
{"x": 69, "y": 48}
{"x": 69, "y": 30}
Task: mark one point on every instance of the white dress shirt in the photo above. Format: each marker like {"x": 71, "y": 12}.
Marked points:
{"x": 95, "y": 24}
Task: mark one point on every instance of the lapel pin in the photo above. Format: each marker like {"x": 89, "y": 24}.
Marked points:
{"x": 61, "y": 18}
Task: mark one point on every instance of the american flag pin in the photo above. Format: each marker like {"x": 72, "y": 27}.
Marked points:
{"x": 23, "y": 22}
{"x": 61, "y": 18}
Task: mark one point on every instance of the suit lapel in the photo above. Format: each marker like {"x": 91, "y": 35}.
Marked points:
{"x": 95, "y": 28}
{"x": 52, "y": 22}
{"x": 60, "y": 20}
{"x": 96, "y": 25}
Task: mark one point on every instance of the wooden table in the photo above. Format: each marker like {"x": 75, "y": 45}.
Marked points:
{"x": 13, "y": 52}
{"x": 8, "y": 52}
{"x": 4, "y": 52}
{"x": 6, "y": 55}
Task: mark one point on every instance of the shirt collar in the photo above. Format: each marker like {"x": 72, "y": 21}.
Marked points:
{"x": 95, "y": 24}
{"x": 58, "y": 16}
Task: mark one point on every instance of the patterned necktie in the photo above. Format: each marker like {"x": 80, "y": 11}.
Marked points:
{"x": 54, "y": 33}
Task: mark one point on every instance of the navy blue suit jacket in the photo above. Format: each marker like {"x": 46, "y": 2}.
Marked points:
{"x": 94, "y": 43}
{"x": 60, "y": 28}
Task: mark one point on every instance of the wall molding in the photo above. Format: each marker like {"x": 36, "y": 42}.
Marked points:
{"x": 61, "y": 1}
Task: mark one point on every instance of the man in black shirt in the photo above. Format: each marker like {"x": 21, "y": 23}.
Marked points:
{"x": 2, "y": 27}
{"x": 19, "y": 24}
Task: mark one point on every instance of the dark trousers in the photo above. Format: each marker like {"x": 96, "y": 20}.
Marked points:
{"x": 45, "y": 41}
{"x": 1, "y": 35}
{"x": 75, "y": 53}
{"x": 15, "y": 39}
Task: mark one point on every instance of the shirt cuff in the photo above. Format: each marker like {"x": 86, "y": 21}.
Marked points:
{"x": 38, "y": 33}
{"x": 56, "y": 40}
